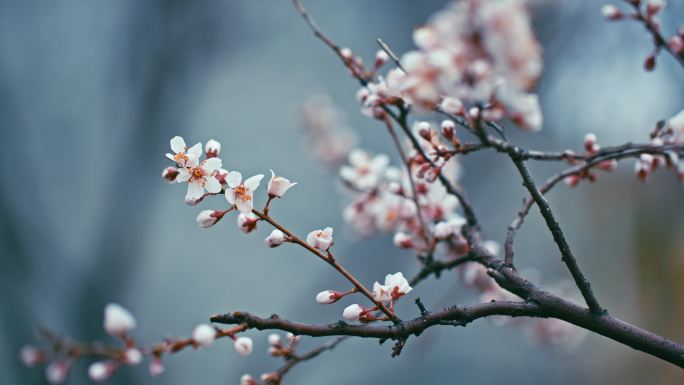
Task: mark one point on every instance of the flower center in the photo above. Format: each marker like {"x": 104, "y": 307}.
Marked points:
{"x": 197, "y": 173}
{"x": 180, "y": 157}
{"x": 242, "y": 192}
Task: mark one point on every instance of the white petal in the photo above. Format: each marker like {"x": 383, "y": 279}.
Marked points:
{"x": 212, "y": 184}
{"x": 211, "y": 165}
{"x": 270, "y": 181}
{"x": 177, "y": 144}
{"x": 230, "y": 196}
{"x": 252, "y": 183}
{"x": 183, "y": 175}
{"x": 195, "y": 150}
{"x": 234, "y": 179}
{"x": 244, "y": 206}
{"x": 193, "y": 160}
{"x": 329, "y": 231}
{"x": 195, "y": 191}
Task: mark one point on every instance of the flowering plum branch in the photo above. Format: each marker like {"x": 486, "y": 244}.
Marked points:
{"x": 476, "y": 65}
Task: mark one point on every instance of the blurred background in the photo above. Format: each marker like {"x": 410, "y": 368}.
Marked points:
{"x": 91, "y": 92}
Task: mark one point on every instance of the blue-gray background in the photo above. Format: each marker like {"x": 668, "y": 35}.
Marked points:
{"x": 91, "y": 91}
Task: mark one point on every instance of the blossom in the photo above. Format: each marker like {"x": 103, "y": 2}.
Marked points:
{"x": 156, "y": 367}
{"x": 364, "y": 171}
{"x": 328, "y": 296}
{"x": 203, "y": 335}
{"x": 292, "y": 338}
{"x": 240, "y": 194}
{"x": 320, "y": 239}
{"x": 170, "y": 174}
{"x": 452, "y": 106}
{"x": 183, "y": 156}
{"x": 273, "y": 339}
{"x": 278, "y": 186}
{"x": 445, "y": 229}
{"x": 31, "y": 355}
{"x": 118, "y": 321}
{"x": 101, "y": 371}
{"x": 243, "y": 345}
{"x": 395, "y": 286}
{"x": 57, "y": 371}
{"x": 208, "y": 218}
{"x": 330, "y": 138}
{"x": 247, "y": 222}
{"x": 402, "y": 240}
{"x": 200, "y": 177}
{"x": 676, "y": 125}
{"x": 133, "y": 356}
{"x": 212, "y": 148}
{"x": 655, "y": 6}
{"x": 246, "y": 379}
{"x": 275, "y": 239}
{"x": 611, "y": 12}
{"x": 353, "y": 312}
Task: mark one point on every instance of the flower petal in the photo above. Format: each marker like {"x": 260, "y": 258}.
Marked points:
{"x": 177, "y": 144}
{"x": 252, "y": 183}
{"x": 212, "y": 184}
{"x": 211, "y": 165}
{"x": 195, "y": 191}
{"x": 195, "y": 150}
{"x": 183, "y": 175}
{"x": 234, "y": 179}
{"x": 244, "y": 206}
{"x": 230, "y": 196}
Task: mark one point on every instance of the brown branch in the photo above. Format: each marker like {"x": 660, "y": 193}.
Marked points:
{"x": 329, "y": 260}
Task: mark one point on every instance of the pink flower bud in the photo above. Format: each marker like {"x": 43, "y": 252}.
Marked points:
{"x": 590, "y": 144}
{"x": 452, "y": 106}
{"x": 347, "y": 54}
{"x": 208, "y": 218}
{"x": 320, "y": 239}
{"x": 31, "y": 355}
{"x": 676, "y": 44}
{"x": 212, "y": 148}
{"x": 204, "y": 335}
{"x": 572, "y": 180}
{"x": 650, "y": 62}
{"x": 353, "y": 312}
{"x": 424, "y": 131}
{"x": 275, "y": 239}
{"x": 328, "y": 296}
{"x": 403, "y": 240}
{"x": 243, "y": 345}
{"x": 133, "y": 356}
{"x": 278, "y": 186}
{"x": 381, "y": 57}
{"x": 611, "y": 12}
{"x": 247, "y": 222}
{"x": 293, "y": 339}
{"x": 274, "y": 339}
{"x": 449, "y": 129}
{"x": 170, "y": 174}
{"x": 156, "y": 367}
{"x": 57, "y": 372}
{"x": 654, "y": 6}
{"x": 118, "y": 321}
{"x": 246, "y": 379}
{"x": 269, "y": 378}
{"x": 101, "y": 371}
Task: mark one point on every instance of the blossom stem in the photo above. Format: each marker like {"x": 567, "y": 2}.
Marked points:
{"x": 327, "y": 257}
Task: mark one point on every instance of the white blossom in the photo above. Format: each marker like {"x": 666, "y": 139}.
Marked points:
{"x": 101, "y": 371}
{"x": 241, "y": 194}
{"x": 31, "y": 355}
{"x": 275, "y": 239}
{"x": 320, "y": 239}
{"x": 403, "y": 240}
{"x": 212, "y": 148}
{"x": 395, "y": 286}
{"x": 133, "y": 356}
{"x": 183, "y": 156}
{"x": 243, "y": 345}
{"x": 326, "y": 297}
{"x": 204, "y": 335}
{"x": 118, "y": 321}
{"x": 57, "y": 372}
{"x": 364, "y": 171}
{"x": 273, "y": 339}
{"x": 200, "y": 177}
{"x": 247, "y": 222}
{"x": 353, "y": 312}
{"x": 246, "y": 379}
{"x": 208, "y": 218}
{"x": 156, "y": 367}
{"x": 278, "y": 186}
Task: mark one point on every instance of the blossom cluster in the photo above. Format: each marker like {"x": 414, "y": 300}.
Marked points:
{"x": 669, "y": 132}
{"x": 475, "y": 58}
{"x": 119, "y": 323}
{"x": 647, "y": 12}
